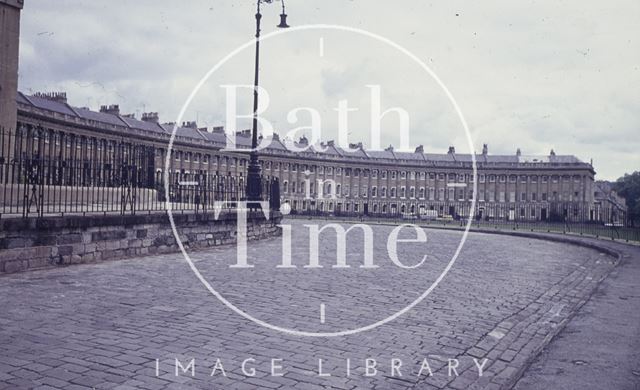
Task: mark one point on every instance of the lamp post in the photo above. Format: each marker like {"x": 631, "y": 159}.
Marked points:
{"x": 254, "y": 181}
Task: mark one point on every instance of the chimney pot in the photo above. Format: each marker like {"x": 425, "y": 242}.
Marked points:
{"x": 112, "y": 109}
{"x": 152, "y": 117}
{"x": 60, "y": 97}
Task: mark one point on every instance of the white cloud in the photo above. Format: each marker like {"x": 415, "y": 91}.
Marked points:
{"x": 530, "y": 74}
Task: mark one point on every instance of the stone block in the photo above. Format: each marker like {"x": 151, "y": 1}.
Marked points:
{"x": 15, "y": 266}
{"x": 66, "y": 250}
{"x": 39, "y": 262}
{"x": 75, "y": 259}
{"x": 45, "y": 240}
{"x": 109, "y": 235}
{"x": 66, "y": 239}
{"x": 113, "y": 245}
{"x": 42, "y": 251}
{"x": 134, "y": 244}
{"x": 109, "y": 255}
{"x": 18, "y": 242}
{"x": 86, "y": 237}
{"x": 78, "y": 249}
{"x": 88, "y": 257}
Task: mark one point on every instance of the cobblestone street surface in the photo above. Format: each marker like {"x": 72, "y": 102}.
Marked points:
{"x": 123, "y": 324}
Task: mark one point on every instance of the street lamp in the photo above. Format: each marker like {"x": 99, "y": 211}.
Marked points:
{"x": 254, "y": 181}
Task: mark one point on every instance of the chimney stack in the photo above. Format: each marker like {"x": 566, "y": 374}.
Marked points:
{"x": 190, "y": 125}
{"x": 452, "y": 150}
{"x": 420, "y": 149}
{"x": 518, "y": 152}
{"x": 152, "y": 117}
{"x": 485, "y": 149}
{"x": 356, "y": 146}
{"x": 112, "y": 109}
{"x": 60, "y": 97}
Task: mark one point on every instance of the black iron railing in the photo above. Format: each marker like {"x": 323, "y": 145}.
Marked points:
{"x": 580, "y": 218}
{"x": 45, "y": 187}
{"x": 47, "y": 174}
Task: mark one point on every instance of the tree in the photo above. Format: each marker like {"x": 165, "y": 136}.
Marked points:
{"x": 628, "y": 187}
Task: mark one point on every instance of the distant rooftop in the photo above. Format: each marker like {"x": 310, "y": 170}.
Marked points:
{"x": 56, "y": 103}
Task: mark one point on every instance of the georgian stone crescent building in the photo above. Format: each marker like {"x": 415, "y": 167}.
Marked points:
{"x": 327, "y": 178}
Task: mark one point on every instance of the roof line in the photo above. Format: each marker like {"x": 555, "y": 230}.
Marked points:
{"x": 27, "y": 98}
{"x": 200, "y": 134}
{"x": 123, "y": 121}
{"x": 72, "y": 109}
{"x": 160, "y": 127}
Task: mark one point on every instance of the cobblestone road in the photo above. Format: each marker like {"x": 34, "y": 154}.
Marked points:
{"x": 123, "y": 324}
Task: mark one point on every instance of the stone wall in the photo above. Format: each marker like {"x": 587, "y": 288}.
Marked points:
{"x": 46, "y": 242}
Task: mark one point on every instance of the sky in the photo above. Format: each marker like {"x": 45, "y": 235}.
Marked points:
{"x": 528, "y": 75}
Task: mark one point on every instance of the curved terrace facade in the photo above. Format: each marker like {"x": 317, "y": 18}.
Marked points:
{"x": 325, "y": 178}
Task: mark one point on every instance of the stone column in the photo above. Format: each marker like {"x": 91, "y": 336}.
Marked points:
{"x": 9, "y": 44}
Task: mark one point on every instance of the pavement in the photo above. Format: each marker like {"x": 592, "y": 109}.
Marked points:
{"x": 149, "y": 323}
{"x": 600, "y": 347}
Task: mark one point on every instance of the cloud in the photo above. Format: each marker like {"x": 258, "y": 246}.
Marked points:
{"x": 528, "y": 74}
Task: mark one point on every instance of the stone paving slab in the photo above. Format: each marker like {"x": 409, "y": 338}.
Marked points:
{"x": 600, "y": 347}
{"x": 122, "y": 325}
